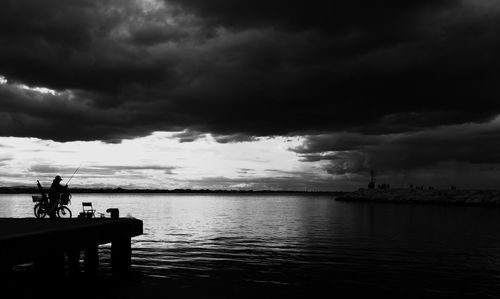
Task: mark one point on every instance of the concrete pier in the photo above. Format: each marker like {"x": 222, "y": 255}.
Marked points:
{"x": 55, "y": 245}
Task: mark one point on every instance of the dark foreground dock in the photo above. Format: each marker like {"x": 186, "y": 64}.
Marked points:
{"x": 55, "y": 245}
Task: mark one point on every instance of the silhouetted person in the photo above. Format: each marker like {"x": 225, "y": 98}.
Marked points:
{"x": 55, "y": 191}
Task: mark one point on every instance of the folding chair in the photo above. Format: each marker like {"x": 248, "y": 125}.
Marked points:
{"x": 88, "y": 210}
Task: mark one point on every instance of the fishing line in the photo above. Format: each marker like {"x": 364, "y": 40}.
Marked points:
{"x": 73, "y": 174}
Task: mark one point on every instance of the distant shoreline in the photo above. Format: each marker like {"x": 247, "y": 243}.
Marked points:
{"x": 433, "y": 196}
{"x": 28, "y": 190}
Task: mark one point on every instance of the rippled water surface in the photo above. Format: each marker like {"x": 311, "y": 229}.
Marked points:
{"x": 294, "y": 244}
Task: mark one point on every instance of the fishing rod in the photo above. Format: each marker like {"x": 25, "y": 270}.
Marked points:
{"x": 73, "y": 174}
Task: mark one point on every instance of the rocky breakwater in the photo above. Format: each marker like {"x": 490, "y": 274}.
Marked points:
{"x": 465, "y": 197}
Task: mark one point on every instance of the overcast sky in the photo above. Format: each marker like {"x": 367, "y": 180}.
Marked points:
{"x": 302, "y": 95}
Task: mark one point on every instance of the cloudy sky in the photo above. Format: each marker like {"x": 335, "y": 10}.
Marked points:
{"x": 302, "y": 95}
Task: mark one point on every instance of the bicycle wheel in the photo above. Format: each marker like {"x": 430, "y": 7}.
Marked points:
{"x": 39, "y": 211}
{"x": 63, "y": 212}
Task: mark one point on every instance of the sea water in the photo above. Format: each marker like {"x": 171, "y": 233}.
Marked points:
{"x": 295, "y": 244}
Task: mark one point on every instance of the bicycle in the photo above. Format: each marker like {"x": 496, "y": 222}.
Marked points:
{"x": 42, "y": 206}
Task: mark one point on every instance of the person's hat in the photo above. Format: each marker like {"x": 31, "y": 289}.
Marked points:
{"x": 58, "y": 178}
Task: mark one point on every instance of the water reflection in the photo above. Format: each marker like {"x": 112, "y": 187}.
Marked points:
{"x": 296, "y": 244}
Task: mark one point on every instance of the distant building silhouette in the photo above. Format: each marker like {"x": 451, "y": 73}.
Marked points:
{"x": 371, "y": 185}
{"x": 384, "y": 186}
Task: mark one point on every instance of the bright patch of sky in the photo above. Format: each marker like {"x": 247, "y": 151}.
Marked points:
{"x": 155, "y": 161}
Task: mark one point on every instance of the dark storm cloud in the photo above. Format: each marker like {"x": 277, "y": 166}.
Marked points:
{"x": 72, "y": 45}
{"x": 356, "y": 153}
{"x": 234, "y": 138}
{"x": 188, "y": 136}
{"x": 237, "y": 70}
{"x": 334, "y": 16}
{"x": 192, "y": 135}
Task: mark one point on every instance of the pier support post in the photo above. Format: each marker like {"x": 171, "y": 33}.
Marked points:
{"x": 121, "y": 255}
{"x": 73, "y": 261}
{"x": 91, "y": 259}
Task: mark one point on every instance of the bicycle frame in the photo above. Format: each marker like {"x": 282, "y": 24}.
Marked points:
{"x": 42, "y": 207}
